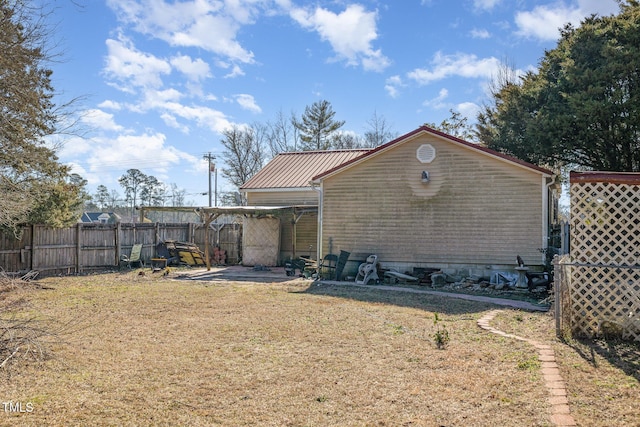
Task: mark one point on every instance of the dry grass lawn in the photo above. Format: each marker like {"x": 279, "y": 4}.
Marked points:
{"x": 145, "y": 350}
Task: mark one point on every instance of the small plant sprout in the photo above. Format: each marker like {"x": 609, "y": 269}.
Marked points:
{"x": 441, "y": 336}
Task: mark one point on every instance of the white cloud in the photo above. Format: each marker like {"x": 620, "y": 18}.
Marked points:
{"x": 236, "y": 71}
{"x": 438, "y": 101}
{"x": 75, "y": 147}
{"x": 80, "y": 170}
{"x": 350, "y": 33}
{"x": 132, "y": 151}
{"x": 460, "y": 64}
{"x": 111, "y": 105}
{"x": 130, "y": 68}
{"x": 171, "y": 121}
{"x": 209, "y": 25}
{"x": 110, "y": 157}
{"x": 485, "y": 4}
{"x": 98, "y": 119}
{"x": 480, "y": 34}
{"x": 205, "y": 117}
{"x": 544, "y": 22}
{"x": 469, "y": 110}
{"x": 393, "y": 85}
{"x": 158, "y": 98}
{"x": 195, "y": 70}
{"x": 601, "y": 7}
{"x": 247, "y": 102}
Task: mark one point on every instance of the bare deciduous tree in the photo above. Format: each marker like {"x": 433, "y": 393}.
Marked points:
{"x": 243, "y": 153}
{"x": 378, "y": 132}
{"x": 346, "y": 141}
{"x": 284, "y": 136}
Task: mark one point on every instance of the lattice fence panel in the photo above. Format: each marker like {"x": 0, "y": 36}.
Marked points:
{"x": 605, "y": 223}
{"x": 260, "y": 241}
{"x": 605, "y": 253}
{"x": 602, "y": 296}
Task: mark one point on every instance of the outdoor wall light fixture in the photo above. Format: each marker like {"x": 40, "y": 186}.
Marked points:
{"x": 425, "y": 176}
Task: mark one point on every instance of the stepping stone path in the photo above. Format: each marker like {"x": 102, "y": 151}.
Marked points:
{"x": 560, "y": 411}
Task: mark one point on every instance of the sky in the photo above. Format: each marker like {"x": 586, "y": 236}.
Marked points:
{"x": 158, "y": 81}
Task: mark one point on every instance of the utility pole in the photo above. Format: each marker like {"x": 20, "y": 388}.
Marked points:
{"x": 210, "y": 157}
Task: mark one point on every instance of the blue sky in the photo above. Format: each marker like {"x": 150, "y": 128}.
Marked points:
{"x": 161, "y": 79}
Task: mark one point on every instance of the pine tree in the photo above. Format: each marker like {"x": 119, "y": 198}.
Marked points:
{"x": 34, "y": 186}
{"x": 317, "y": 126}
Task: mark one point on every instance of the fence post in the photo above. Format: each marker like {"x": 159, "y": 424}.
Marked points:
{"x": 562, "y": 268}
{"x": 33, "y": 247}
{"x": 79, "y": 248}
{"x": 557, "y": 294}
{"x": 118, "y": 241}
{"x": 565, "y": 237}
{"x": 156, "y": 238}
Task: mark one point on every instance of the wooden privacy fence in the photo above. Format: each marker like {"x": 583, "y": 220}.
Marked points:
{"x": 98, "y": 246}
{"x": 598, "y": 285}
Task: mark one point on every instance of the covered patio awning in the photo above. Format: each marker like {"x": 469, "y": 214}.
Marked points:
{"x": 209, "y": 214}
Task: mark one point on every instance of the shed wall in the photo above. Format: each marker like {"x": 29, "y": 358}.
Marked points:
{"x": 475, "y": 210}
{"x": 306, "y": 237}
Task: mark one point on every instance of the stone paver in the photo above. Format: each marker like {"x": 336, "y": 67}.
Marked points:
{"x": 560, "y": 410}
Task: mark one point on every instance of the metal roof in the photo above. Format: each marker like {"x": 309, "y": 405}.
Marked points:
{"x": 629, "y": 178}
{"x": 295, "y": 170}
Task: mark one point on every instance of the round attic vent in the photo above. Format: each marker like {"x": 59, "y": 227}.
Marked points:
{"x": 426, "y": 153}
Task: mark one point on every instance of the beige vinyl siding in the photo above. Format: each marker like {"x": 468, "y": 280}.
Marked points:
{"x": 306, "y": 236}
{"x": 282, "y": 198}
{"x": 475, "y": 210}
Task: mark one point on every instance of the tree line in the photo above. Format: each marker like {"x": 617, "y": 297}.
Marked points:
{"x": 580, "y": 109}
{"x": 246, "y": 148}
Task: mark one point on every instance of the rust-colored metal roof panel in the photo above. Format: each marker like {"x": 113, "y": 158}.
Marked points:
{"x": 630, "y": 178}
{"x": 295, "y": 170}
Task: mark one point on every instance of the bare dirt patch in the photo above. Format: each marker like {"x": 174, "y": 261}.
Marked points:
{"x": 154, "y": 351}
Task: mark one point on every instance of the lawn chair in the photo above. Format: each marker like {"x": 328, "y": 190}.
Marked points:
{"x": 134, "y": 258}
{"x": 327, "y": 268}
{"x": 342, "y": 262}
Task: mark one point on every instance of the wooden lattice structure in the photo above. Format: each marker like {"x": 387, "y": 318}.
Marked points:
{"x": 603, "y": 272}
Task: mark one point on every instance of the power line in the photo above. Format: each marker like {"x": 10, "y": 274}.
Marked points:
{"x": 152, "y": 162}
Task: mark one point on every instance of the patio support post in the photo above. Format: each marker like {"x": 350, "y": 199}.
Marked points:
{"x": 208, "y": 219}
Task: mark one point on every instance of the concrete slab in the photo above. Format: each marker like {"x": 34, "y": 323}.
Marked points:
{"x": 522, "y": 305}
{"x": 238, "y": 273}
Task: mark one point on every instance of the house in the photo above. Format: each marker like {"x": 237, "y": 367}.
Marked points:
{"x": 100, "y": 217}
{"x": 425, "y": 199}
